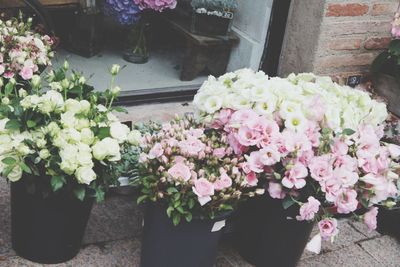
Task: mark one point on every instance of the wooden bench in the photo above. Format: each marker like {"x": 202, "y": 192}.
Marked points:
{"x": 202, "y": 52}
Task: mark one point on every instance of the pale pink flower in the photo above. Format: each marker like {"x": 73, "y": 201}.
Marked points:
{"x": 340, "y": 148}
{"x": 242, "y": 117}
{"x": 219, "y": 152}
{"x": 296, "y": 141}
{"x": 248, "y": 137}
{"x": 316, "y": 108}
{"x": 254, "y": 162}
{"x": 196, "y": 133}
{"x": 369, "y": 165}
{"x": 275, "y": 190}
{"x": 191, "y": 146}
{"x": 309, "y": 209}
{"x": 26, "y": 73}
{"x": 156, "y": 151}
{"x": 225, "y": 180}
{"x": 295, "y": 176}
{"x": 204, "y": 190}
{"x": 331, "y": 187}
{"x": 346, "y": 162}
{"x": 2, "y": 69}
{"x": 346, "y": 177}
{"x": 269, "y": 155}
{"x": 394, "y": 150}
{"x": 222, "y": 118}
{"x": 8, "y": 74}
{"x": 370, "y": 218}
{"x": 346, "y": 201}
{"x": 328, "y": 228}
{"x": 180, "y": 171}
{"x": 251, "y": 179}
{"x": 306, "y": 157}
{"x": 321, "y": 168}
{"x": 235, "y": 145}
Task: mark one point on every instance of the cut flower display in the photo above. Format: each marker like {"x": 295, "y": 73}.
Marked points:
{"x": 192, "y": 171}
{"x": 307, "y": 141}
{"x": 23, "y": 52}
{"x": 64, "y": 137}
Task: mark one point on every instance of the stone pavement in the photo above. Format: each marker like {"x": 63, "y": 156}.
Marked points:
{"x": 112, "y": 236}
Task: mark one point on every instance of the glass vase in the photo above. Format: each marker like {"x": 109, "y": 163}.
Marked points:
{"x": 137, "y": 46}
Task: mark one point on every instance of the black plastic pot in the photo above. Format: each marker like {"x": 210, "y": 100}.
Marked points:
{"x": 268, "y": 235}
{"x": 210, "y": 25}
{"x": 388, "y": 221}
{"x": 47, "y": 230}
{"x": 185, "y": 245}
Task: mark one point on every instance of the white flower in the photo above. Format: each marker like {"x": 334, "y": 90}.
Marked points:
{"x": 134, "y": 137}
{"x": 23, "y": 149}
{"x": 115, "y": 69}
{"x": 119, "y": 131}
{"x": 85, "y": 175}
{"x": 101, "y": 108}
{"x": 82, "y": 123}
{"x": 108, "y": 148}
{"x": 115, "y": 90}
{"x": 68, "y": 119}
{"x": 35, "y": 80}
{"x": 212, "y": 104}
{"x": 16, "y": 174}
{"x": 3, "y": 123}
{"x": 68, "y": 167}
{"x": 44, "y": 153}
{"x": 87, "y": 136}
{"x": 5, "y": 100}
{"x": 287, "y": 108}
{"x": 296, "y": 122}
{"x": 84, "y": 106}
{"x": 72, "y": 105}
{"x": 51, "y": 101}
{"x": 21, "y": 92}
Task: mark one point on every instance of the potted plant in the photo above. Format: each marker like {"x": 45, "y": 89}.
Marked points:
{"x": 213, "y": 17}
{"x": 57, "y": 144}
{"x": 24, "y": 53}
{"x": 386, "y": 70}
{"x": 191, "y": 181}
{"x": 298, "y": 140}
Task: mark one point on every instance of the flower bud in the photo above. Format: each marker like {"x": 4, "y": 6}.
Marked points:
{"x": 82, "y": 80}
{"x": 66, "y": 65}
{"x": 35, "y": 81}
{"x": 65, "y": 84}
{"x": 12, "y": 81}
{"x": 115, "y": 91}
{"x": 1, "y": 82}
{"x": 44, "y": 154}
{"x": 115, "y": 69}
{"x": 390, "y": 204}
{"x": 5, "y": 100}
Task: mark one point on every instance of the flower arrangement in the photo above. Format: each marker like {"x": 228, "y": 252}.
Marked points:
{"x": 217, "y": 8}
{"x": 62, "y": 136}
{"x": 192, "y": 171}
{"x": 157, "y": 5}
{"x": 309, "y": 142}
{"x": 387, "y": 62}
{"x": 125, "y": 12}
{"x": 23, "y": 52}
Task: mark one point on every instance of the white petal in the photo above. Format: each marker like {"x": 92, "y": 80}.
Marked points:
{"x": 315, "y": 244}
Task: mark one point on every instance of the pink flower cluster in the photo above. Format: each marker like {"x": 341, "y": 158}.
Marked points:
{"x": 396, "y": 26}
{"x": 315, "y": 167}
{"x": 157, "y": 5}
{"x": 23, "y": 52}
{"x": 196, "y": 161}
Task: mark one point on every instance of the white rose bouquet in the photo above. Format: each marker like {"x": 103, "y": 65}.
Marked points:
{"x": 23, "y": 52}
{"x": 64, "y": 137}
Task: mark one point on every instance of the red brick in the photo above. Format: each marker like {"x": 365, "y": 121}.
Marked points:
{"x": 341, "y": 10}
{"x": 356, "y": 27}
{"x": 377, "y": 43}
{"x": 384, "y": 8}
{"x": 345, "y": 44}
{"x": 338, "y": 61}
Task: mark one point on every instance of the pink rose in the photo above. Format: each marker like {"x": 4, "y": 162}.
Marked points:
{"x": 180, "y": 171}
{"x": 346, "y": 177}
{"x": 346, "y": 201}
{"x": 236, "y": 146}
{"x": 222, "y": 119}
{"x": 321, "y": 168}
{"x": 191, "y": 146}
{"x": 251, "y": 179}
{"x": 219, "y": 152}
{"x": 275, "y": 190}
{"x": 204, "y": 190}
{"x": 269, "y": 155}
{"x": 254, "y": 162}
{"x": 370, "y": 218}
{"x": 328, "y": 228}
{"x": 295, "y": 176}
{"x": 26, "y": 73}
{"x": 309, "y": 209}
{"x": 248, "y": 137}
{"x": 223, "y": 182}
{"x": 156, "y": 151}
{"x": 331, "y": 187}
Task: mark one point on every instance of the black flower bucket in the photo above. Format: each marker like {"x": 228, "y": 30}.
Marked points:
{"x": 268, "y": 235}
{"x": 191, "y": 244}
{"x": 388, "y": 221}
{"x": 47, "y": 230}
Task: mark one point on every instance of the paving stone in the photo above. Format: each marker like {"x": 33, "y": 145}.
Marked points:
{"x": 117, "y": 218}
{"x": 385, "y": 250}
{"x": 363, "y": 229}
{"x": 119, "y": 253}
{"x": 5, "y": 227}
{"x": 4, "y": 188}
{"x": 352, "y": 256}
{"x": 231, "y": 256}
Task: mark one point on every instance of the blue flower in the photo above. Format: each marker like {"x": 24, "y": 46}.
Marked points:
{"x": 126, "y": 12}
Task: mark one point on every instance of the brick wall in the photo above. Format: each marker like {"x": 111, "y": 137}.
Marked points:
{"x": 346, "y": 35}
{"x": 352, "y": 33}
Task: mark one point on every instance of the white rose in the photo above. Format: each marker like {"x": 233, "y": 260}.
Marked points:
{"x": 53, "y": 129}
{"x": 82, "y": 123}
{"x": 99, "y": 151}
{"x": 115, "y": 91}
{"x": 101, "y": 108}
{"x": 68, "y": 167}
{"x": 51, "y": 101}
{"x": 35, "y": 81}
{"x": 68, "y": 119}
{"x": 72, "y": 105}
{"x": 107, "y": 148}
{"x": 134, "y": 137}
{"x": 3, "y": 123}
{"x": 16, "y": 174}
{"x": 84, "y": 106}
{"x": 85, "y": 159}
{"x": 87, "y": 136}
{"x": 85, "y": 175}
{"x": 71, "y": 135}
{"x": 115, "y": 69}
{"x": 111, "y": 117}
{"x": 44, "y": 153}
{"x": 40, "y": 143}
{"x": 119, "y": 131}
{"x": 22, "y": 92}
{"x": 5, "y": 100}
{"x": 23, "y": 149}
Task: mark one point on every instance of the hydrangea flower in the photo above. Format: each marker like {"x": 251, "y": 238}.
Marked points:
{"x": 125, "y": 12}
{"x": 157, "y": 5}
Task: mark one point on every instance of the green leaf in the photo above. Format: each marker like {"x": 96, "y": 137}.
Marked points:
{"x": 169, "y": 211}
{"x": 288, "y": 202}
{"x": 120, "y": 109}
{"x": 226, "y": 207}
{"x": 31, "y": 123}
{"x": 57, "y": 183}
{"x": 25, "y": 168}
{"x": 100, "y": 195}
{"x": 172, "y": 190}
{"x": 13, "y": 125}
{"x": 191, "y": 203}
{"x": 348, "y": 131}
{"x": 8, "y": 89}
{"x": 104, "y": 132}
{"x": 141, "y": 199}
{"x": 80, "y": 192}
{"x": 180, "y": 209}
{"x": 188, "y": 217}
{"x": 176, "y": 218}
{"x": 177, "y": 196}
{"x": 8, "y": 170}
{"x": 9, "y": 160}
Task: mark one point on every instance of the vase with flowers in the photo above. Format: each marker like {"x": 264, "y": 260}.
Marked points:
{"x": 316, "y": 148}
{"x": 191, "y": 181}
